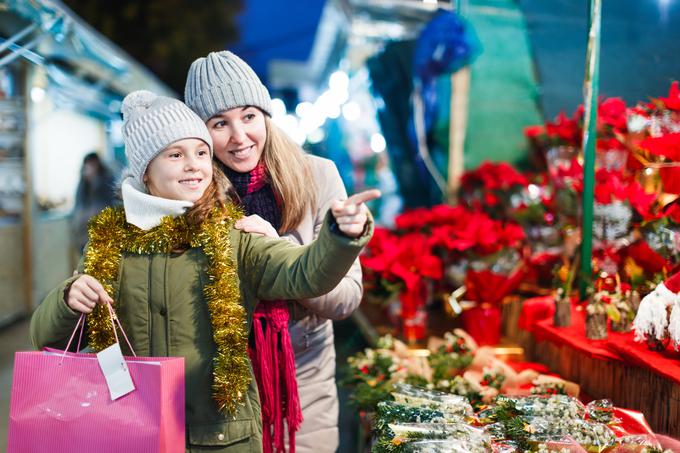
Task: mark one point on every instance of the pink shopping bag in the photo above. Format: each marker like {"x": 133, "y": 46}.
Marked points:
{"x": 60, "y": 402}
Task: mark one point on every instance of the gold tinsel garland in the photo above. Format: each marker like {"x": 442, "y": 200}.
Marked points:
{"x": 110, "y": 236}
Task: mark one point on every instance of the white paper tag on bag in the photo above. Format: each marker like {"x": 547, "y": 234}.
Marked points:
{"x": 115, "y": 371}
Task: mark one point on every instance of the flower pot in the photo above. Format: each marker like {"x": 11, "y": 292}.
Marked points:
{"x": 413, "y": 313}
{"x": 561, "y": 161}
{"x": 483, "y": 323}
{"x": 562, "y": 312}
{"x": 596, "y": 326}
{"x": 611, "y": 159}
{"x": 660, "y": 343}
{"x": 414, "y": 325}
{"x": 650, "y": 180}
{"x": 611, "y": 220}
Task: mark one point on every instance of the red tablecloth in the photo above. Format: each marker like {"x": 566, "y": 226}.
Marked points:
{"x": 537, "y": 318}
{"x": 574, "y": 336}
{"x": 666, "y": 363}
{"x": 536, "y": 309}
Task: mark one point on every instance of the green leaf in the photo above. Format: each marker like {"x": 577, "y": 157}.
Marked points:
{"x": 613, "y": 313}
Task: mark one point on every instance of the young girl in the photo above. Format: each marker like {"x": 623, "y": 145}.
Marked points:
{"x": 283, "y": 191}
{"x": 183, "y": 281}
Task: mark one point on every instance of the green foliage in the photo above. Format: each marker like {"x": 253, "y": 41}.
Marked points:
{"x": 385, "y": 445}
{"x": 514, "y": 426}
{"x": 416, "y": 380}
{"x": 447, "y": 365}
{"x": 391, "y": 412}
{"x": 366, "y": 397}
{"x": 494, "y": 380}
{"x": 613, "y": 313}
{"x": 370, "y": 379}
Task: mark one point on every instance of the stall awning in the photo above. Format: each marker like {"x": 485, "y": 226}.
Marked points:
{"x": 82, "y": 64}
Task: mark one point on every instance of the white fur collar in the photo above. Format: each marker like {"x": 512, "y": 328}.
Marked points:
{"x": 146, "y": 211}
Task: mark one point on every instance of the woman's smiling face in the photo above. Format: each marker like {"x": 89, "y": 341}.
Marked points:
{"x": 238, "y": 137}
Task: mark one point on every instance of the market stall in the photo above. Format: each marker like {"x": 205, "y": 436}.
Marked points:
{"x": 516, "y": 234}
{"x": 549, "y": 263}
{"x": 60, "y": 89}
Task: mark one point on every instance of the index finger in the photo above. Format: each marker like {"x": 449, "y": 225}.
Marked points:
{"x": 363, "y": 197}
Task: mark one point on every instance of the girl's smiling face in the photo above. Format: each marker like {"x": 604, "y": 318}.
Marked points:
{"x": 182, "y": 171}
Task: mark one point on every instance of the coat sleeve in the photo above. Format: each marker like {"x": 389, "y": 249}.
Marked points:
{"x": 342, "y": 300}
{"x": 53, "y": 321}
{"x": 277, "y": 269}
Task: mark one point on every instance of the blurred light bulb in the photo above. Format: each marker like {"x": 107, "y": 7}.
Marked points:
{"x": 37, "y": 94}
{"x": 333, "y": 112}
{"x": 316, "y": 136}
{"x": 304, "y": 109}
{"x": 312, "y": 122}
{"x": 298, "y": 136}
{"x": 338, "y": 81}
{"x": 278, "y": 107}
{"x": 114, "y": 106}
{"x": 378, "y": 143}
{"x": 351, "y": 111}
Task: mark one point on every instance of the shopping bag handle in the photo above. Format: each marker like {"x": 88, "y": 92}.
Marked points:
{"x": 114, "y": 317}
{"x": 81, "y": 324}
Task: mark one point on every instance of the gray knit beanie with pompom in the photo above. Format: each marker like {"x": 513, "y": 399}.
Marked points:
{"x": 151, "y": 123}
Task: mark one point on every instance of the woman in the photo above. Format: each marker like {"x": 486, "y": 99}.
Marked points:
{"x": 183, "y": 280}
{"x": 286, "y": 192}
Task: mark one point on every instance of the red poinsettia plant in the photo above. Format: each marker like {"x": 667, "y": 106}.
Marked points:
{"x": 672, "y": 101}
{"x": 491, "y": 187}
{"x": 658, "y": 108}
{"x": 493, "y": 176}
{"x": 666, "y": 146}
{"x": 655, "y": 137}
{"x": 612, "y": 123}
{"x": 561, "y": 131}
{"x": 654, "y": 127}
{"x": 395, "y": 263}
{"x": 425, "y": 241}
{"x": 476, "y": 235}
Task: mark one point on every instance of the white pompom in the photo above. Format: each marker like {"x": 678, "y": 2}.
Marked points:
{"x": 137, "y": 101}
{"x": 652, "y": 319}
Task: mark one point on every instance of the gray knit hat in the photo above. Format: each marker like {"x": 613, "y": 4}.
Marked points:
{"x": 222, "y": 81}
{"x": 151, "y": 123}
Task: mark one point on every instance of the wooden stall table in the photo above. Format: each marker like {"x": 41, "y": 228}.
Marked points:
{"x": 616, "y": 368}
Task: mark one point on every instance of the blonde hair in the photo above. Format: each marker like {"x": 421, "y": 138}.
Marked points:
{"x": 289, "y": 174}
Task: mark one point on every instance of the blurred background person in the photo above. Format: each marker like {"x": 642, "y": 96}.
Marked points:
{"x": 94, "y": 193}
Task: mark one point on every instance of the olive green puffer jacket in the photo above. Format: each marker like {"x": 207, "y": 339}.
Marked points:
{"x": 160, "y": 301}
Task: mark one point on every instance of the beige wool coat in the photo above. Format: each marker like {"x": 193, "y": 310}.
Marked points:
{"x": 311, "y": 327}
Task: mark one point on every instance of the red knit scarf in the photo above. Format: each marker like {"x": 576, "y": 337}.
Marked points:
{"x": 274, "y": 367}
{"x": 272, "y": 356}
